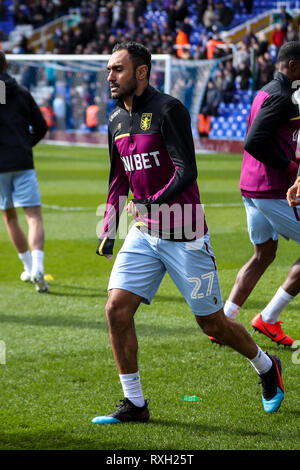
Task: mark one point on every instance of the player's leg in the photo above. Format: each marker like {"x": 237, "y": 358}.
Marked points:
{"x": 265, "y": 240}
{"x": 36, "y": 239}
{"x": 233, "y": 334}
{"x": 292, "y": 283}
{"x": 135, "y": 278}
{"x": 14, "y": 230}
{"x": 120, "y": 309}
{"x": 249, "y": 275}
{"x": 26, "y": 194}
{"x": 286, "y": 222}
{"x": 18, "y": 239}
{"x": 198, "y": 281}
{"x": 11, "y": 221}
{"x": 267, "y": 322}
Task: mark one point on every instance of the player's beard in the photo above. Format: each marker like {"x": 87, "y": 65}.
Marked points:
{"x": 127, "y": 90}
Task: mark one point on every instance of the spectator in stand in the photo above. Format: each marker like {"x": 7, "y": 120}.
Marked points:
{"x": 248, "y": 4}
{"x": 182, "y": 42}
{"x": 229, "y": 66}
{"x": 242, "y": 55}
{"x": 209, "y": 17}
{"x": 212, "y": 45}
{"x": 249, "y": 36}
{"x": 209, "y": 108}
{"x": 291, "y": 33}
{"x": 218, "y": 78}
{"x": 237, "y": 5}
{"x": 49, "y": 115}
{"x": 212, "y": 100}
{"x": 118, "y": 15}
{"x": 228, "y": 86}
{"x": 263, "y": 43}
{"x": 2, "y": 11}
{"x": 92, "y": 115}
{"x": 200, "y": 8}
{"x": 59, "y": 108}
{"x": 139, "y": 8}
{"x": 181, "y": 10}
{"x": 278, "y": 36}
{"x": 284, "y": 17}
{"x": 200, "y": 52}
{"x": 224, "y": 15}
{"x": 265, "y": 69}
{"x": 244, "y": 75}
{"x": 171, "y": 12}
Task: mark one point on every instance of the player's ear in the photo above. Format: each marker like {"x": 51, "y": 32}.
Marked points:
{"x": 292, "y": 65}
{"x": 141, "y": 72}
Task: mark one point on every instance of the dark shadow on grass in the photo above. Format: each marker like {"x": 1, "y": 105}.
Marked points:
{"x": 97, "y": 292}
{"x": 53, "y": 440}
{"x": 76, "y": 322}
{"x": 62, "y": 440}
{"x": 53, "y": 320}
{"x": 65, "y": 290}
{"x": 210, "y": 428}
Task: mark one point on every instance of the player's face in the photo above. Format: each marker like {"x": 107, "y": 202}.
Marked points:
{"x": 121, "y": 75}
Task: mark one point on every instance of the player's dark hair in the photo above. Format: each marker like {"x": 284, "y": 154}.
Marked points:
{"x": 139, "y": 54}
{"x": 2, "y": 62}
{"x": 289, "y": 51}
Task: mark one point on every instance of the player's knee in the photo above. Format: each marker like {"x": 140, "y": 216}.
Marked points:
{"x": 211, "y": 328}
{"x": 267, "y": 254}
{"x": 116, "y": 315}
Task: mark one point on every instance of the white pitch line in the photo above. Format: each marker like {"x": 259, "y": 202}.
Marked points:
{"x": 225, "y": 204}
{"x": 84, "y": 209}
{"x": 68, "y": 209}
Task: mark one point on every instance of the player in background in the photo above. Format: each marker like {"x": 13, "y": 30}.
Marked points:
{"x": 269, "y": 168}
{"x": 21, "y": 127}
{"x": 152, "y": 153}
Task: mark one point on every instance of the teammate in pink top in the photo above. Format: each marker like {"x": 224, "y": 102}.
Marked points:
{"x": 269, "y": 169}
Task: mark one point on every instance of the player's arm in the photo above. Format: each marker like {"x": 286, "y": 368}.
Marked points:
{"x": 37, "y": 122}
{"x": 259, "y": 142}
{"x": 116, "y": 199}
{"x": 177, "y": 135}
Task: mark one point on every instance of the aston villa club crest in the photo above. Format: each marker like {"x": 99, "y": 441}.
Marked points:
{"x": 146, "y": 121}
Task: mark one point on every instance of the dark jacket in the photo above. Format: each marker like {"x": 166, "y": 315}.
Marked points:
{"x": 22, "y": 125}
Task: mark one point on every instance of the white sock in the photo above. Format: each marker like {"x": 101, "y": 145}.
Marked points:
{"x": 272, "y": 311}
{"x": 231, "y": 309}
{"x": 37, "y": 261}
{"x": 26, "y": 260}
{"x": 261, "y": 362}
{"x": 131, "y": 384}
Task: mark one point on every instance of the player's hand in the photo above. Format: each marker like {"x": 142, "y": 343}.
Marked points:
{"x": 132, "y": 210}
{"x": 105, "y": 247}
{"x": 293, "y": 194}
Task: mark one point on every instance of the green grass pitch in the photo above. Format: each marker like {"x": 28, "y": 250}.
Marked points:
{"x": 59, "y": 371}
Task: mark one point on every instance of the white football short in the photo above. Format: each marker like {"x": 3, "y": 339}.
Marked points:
{"x": 144, "y": 259}
{"x": 19, "y": 189}
{"x": 269, "y": 218}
